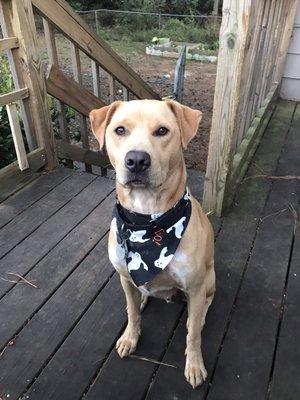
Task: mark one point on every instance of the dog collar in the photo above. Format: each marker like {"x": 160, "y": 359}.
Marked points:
{"x": 147, "y": 242}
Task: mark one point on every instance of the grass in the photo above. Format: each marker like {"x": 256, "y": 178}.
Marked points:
{"x": 130, "y": 39}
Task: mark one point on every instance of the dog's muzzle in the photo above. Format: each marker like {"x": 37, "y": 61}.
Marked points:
{"x": 137, "y": 164}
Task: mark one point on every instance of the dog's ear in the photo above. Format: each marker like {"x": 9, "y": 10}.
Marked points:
{"x": 188, "y": 120}
{"x": 100, "y": 118}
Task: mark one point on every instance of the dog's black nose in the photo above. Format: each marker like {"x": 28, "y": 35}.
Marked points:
{"x": 137, "y": 161}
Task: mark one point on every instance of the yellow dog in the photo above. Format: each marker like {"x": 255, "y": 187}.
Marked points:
{"x": 145, "y": 141}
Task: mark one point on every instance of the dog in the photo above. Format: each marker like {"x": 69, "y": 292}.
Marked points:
{"x": 145, "y": 140}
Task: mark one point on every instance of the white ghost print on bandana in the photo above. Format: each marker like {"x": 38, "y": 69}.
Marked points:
{"x": 150, "y": 241}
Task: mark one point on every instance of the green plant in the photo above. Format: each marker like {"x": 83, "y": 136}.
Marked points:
{"x": 179, "y": 30}
{"x": 7, "y": 149}
{"x": 70, "y": 119}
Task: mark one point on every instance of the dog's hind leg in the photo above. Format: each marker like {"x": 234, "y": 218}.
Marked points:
{"x": 195, "y": 371}
{"x": 128, "y": 341}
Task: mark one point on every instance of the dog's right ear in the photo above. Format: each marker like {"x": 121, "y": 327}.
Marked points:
{"x": 100, "y": 118}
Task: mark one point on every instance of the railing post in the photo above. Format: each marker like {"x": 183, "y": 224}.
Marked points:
{"x": 17, "y": 19}
{"x": 233, "y": 40}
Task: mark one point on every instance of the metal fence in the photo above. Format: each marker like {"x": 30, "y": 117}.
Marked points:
{"x": 103, "y": 16}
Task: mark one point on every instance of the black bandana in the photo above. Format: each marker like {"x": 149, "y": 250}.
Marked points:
{"x": 148, "y": 242}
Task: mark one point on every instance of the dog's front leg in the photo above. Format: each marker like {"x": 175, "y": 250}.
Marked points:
{"x": 128, "y": 341}
{"x": 195, "y": 371}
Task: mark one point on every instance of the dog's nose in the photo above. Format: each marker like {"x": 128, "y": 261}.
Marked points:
{"x": 137, "y": 161}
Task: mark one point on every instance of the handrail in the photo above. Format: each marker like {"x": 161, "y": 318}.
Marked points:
{"x": 9, "y": 43}
{"x": 13, "y": 96}
{"x": 65, "y": 19}
{"x": 66, "y": 90}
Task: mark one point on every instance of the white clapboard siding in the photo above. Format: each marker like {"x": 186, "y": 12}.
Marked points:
{"x": 290, "y": 88}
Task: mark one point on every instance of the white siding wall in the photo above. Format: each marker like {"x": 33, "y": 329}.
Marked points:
{"x": 290, "y": 88}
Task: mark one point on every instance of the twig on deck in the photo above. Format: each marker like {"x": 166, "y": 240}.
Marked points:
{"x": 287, "y": 177}
{"x": 273, "y": 214}
{"x": 20, "y": 278}
{"x": 152, "y": 361}
{"x": 295, "y": 216}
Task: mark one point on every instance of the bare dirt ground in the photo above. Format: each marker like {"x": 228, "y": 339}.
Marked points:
{"x": 159, "y": 74}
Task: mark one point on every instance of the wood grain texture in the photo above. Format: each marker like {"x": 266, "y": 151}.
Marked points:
{"x": 248, "y": 74}
{"x": 248, "y": 146}
{"x": 19, "y": 16}
{"x": 16, "y": 132}
{"x": 24, "y": 198}
{"x": 76, "y": 65}
{"x": 8, "y": 30}
{"x": 51, "y": 274}
{"x": 245, "y": 364}
{"x": 14, "y": 96}
{"x": 76, "y": 153}
{"x": 11, "y": 176}
{"x": 9, "y": 43}
{"x": 53, "y": 58}
{"x": 34, "y": 247}
{"x": 66, "y": 89}
{"x": 96, "y": 79}
{"x": 233, "y": 39}
{"x": 285, "y": 382}
{"x": 34, "y": 216}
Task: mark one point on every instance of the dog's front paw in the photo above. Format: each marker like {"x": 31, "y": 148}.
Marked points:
{"x": 195, "y": 371}
{"x": 127, "y": 343}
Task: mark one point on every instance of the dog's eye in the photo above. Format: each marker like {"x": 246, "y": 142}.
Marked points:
{"x": 120, "y": 130}
{"x": 162, "y": 131}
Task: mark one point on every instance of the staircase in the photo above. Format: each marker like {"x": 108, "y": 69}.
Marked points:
{"x": 33, "y": 82}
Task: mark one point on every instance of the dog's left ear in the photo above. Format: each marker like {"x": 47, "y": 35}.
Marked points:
{"x": 100, "y": 118}
{"x": 188, "y": 121}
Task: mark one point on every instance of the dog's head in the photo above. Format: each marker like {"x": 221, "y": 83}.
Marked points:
{"x": 144, "y": 138}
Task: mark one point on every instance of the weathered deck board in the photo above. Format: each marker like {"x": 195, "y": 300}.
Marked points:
{"x": 245, "y": 363}
{"x": 25, "y": 223}
{"x": 285, "y": 383}
{"x": 17, "y": 203}
{"x": 52, "y": 270}
{"x": 233, "y": 245}
{"x": 64, "y": 333}
{"x": 24, "y": 256}
{"x": 132, "y": 377}
{"x": 52, "y": 323}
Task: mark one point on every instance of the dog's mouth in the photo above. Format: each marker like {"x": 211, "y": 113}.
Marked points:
{"x": 137, "y": 180}
{"x": 137, "y": 183}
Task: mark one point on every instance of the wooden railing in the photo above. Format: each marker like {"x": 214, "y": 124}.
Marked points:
{"x": 33, "y": 83}
{"x": 254, "y": 38}
{"x": 29, "y": 96}
{"x": 59, "y": 17}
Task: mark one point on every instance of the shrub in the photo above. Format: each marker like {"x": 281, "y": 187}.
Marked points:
{"x": 7, "y": 149}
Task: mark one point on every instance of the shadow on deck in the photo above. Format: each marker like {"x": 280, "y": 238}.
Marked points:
{"x": 57, "y": 339}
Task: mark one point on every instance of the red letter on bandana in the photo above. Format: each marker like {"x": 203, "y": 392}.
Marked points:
{"x": 158, "y": 236}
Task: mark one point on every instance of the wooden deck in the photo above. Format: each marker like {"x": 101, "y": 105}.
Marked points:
{"x": 57, "y": 339}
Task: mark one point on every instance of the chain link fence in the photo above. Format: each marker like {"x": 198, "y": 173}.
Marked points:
{"x": 142, "y": 26}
